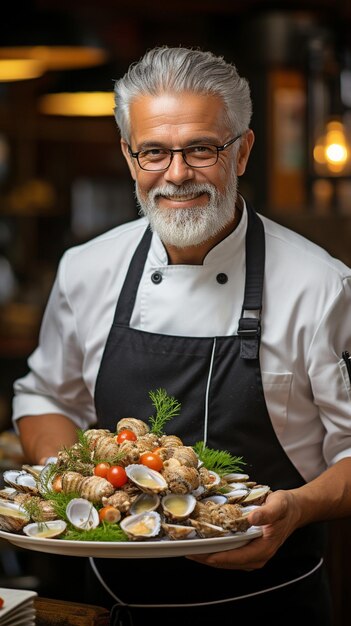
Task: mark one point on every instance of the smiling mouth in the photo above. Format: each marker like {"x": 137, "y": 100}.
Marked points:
{"x": 182, "y": 198}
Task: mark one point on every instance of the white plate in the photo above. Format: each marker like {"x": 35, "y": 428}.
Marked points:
{"x": 133, "y": 549}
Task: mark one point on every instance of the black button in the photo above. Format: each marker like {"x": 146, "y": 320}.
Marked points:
{"x": 156, "y": 278}
{"x": 222, "y": 278}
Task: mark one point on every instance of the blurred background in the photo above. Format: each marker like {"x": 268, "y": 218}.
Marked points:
{"x": 63, "y": 179}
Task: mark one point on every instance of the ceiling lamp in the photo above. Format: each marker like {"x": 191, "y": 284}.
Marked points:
{"x": 55, "y": 39}
{"x": 80, "y": 103}
{"x": 20, "y": 69}
{"x": 332, "y": 152}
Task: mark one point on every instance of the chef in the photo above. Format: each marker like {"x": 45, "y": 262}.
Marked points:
{"x": 240, "y": 319}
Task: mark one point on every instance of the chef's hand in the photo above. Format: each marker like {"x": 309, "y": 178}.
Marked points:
{"x": 278, "y": 516}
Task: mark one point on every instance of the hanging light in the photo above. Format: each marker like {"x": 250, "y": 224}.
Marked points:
{"x": 332, "y": 151}
{"x": 81, "y": 103}
{"x": 20, "y": 69}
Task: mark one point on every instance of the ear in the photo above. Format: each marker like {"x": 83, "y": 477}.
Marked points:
{"x": 247, "y": 142}
{"x": 128, "y": 158}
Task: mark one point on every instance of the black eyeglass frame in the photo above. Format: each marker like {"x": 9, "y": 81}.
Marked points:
{"x": 219, "y": 149}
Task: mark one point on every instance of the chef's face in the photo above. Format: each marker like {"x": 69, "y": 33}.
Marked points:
{"x": 185, "y": 205}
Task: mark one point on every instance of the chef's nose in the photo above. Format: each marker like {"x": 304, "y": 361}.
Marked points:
{"x": 178, "y": 171}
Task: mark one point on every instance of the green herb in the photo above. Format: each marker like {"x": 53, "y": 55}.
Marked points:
{"x": 33, "y": 509}
{"x": 103, "y": 532}
{"x": 59, "y": 501}
{"x": 219, "y": 461}
{"x": 166, "y": 407}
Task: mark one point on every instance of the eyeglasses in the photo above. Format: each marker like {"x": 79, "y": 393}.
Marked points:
{"x": 159, "y": 159}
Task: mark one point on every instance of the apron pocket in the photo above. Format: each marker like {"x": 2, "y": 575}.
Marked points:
{"x": 276, "y": 389}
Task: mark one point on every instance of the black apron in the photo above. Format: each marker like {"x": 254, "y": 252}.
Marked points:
{"x": 218, "y": 382}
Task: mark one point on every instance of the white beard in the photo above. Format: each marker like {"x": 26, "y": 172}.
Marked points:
{"x": 189, "y": 227}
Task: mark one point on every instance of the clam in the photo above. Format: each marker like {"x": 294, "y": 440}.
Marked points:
{"x": 236, "y": 495}
{"x": 235, "y": 477}
{"x": 145, "y": 502}
{"x": 146, "y": 479}
{"x": 142, "y": 526}
{"x": 178, "y": 531}
{"x": 53, "y": 528}
{"x": 216, "y": 499}
{"x": 21, "y": 481}
{"x": 207, "y": 530}
{"x": 12, "y": 516}
{"x": 82, "y": 514}
{"x": 178, "y": 506}
{"x": 138, "y": 427}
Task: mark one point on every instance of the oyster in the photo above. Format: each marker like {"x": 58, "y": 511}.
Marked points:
{"x": 13, "y": 517}
{"x": 142, "y": 526}
{"x": 207, "y": 530}
{"x": 257, "y": 495}
{"x": 53, "y": 528}
{"x": 82, "y": 514}
{"x": 178, "y": 506}
{"x": 146, "y": 479}
{"x": 145, "y": 502}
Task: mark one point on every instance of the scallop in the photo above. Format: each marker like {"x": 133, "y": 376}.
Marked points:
{"x": 53, "y": 528}
{"x": 13, "y": 517}
{"x": 142, "y": 526}
{"x": 178, "y": 506}
{"x": 138, "y": 427}
{"x": 82, "y": 514}
{"x": 148, "y": 480}
{"x": 145, "y": 502}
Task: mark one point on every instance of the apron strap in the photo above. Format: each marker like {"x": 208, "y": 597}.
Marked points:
{"x": 249, "y": 329}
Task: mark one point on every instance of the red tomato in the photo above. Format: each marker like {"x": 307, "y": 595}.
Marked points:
{"x": 101, "y": 469}
{"x": 1, "y": 602}
{"x": 116, "y": 475}
{"x": 109, "y": 514}
{"x": 151, "y": 460}
{"x": 126, "y": 435}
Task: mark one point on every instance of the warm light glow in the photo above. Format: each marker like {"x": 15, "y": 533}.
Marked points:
{"x": 91, "y": 104}
{"x": 20, "y": 69}
{"x": 57, "y": 57}
{"x": 331, "y": 149}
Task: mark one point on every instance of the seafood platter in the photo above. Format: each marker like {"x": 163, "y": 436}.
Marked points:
{"x": 130, "y": 493}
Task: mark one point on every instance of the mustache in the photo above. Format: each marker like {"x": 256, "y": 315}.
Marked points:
{"x": 169, "y": 190}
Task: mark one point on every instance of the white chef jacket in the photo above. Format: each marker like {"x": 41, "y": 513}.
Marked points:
{"x": 306, "y": 324}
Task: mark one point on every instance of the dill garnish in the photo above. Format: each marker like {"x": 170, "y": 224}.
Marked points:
{"x": 33, "y": 509}
{"x": 103, "y": 532}
{"x": 166, "y": 407}
{"x": 59, "y": 501}
{"x": 219, "y": 461}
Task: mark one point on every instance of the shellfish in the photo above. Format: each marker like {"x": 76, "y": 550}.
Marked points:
{"x": 142, "y": 526}
{"x": 82, "y": 514}
{"x": 53, "y": 528}
{"x": 146, "y": 479}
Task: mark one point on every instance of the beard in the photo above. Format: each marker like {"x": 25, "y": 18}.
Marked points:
{"x": 189, "y": 227}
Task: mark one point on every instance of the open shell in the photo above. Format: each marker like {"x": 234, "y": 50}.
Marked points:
{"x": 82, "y": 514}
{"x": 146, "y": 479}
{"x": 178, "y": 531}
{"x": 13, "y": 517}
{"x": 145, "y": 502}
{"x": 53, "y": 528}
{"x": 257, "y": 495}
{"x": 178, "y": 506}
{"x": 142, "y": 526}
{"x": 21, "y": 481}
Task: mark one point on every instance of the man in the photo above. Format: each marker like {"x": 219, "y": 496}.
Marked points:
{"x": 243, "y": 321}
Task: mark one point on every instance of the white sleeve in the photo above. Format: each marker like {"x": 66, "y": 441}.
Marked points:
{"x": 55, "y": 382}
{"x": 329, "y": 378}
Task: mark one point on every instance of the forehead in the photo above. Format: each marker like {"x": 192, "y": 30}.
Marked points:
{"x": 178, "y": 117}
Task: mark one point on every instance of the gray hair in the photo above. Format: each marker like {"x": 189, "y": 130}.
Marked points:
{"x": 176, "y": 70}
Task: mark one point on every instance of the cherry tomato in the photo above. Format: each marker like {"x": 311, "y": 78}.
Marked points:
{"x": 126, "y": 435}
{"x": 101, "y": 469}
{"x": 109, "y": 514}
{"x": 116, "y": 475}
{"x": 2, "y": 602}
{"x": 151, "y": 460}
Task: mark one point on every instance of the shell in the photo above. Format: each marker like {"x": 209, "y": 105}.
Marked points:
{"x": 138, "y": 427}
{"x": 178, "y": 506}
{"x": 12, "y": 516}
{"x": 145, "y": 502}
{"x": 207, "y": 530}
{"x": 209, "y": 480}
{"x": 94, "y": 488}
{"x": 215, "y": 499}
{"x": 131, "y": 453}
{"x": 236, "y": 477}
{"x": 170, "y": 440}
{"x": 257, "y": 495}
{"x": 235, "y": 496}
{"x": 180, "y": 478}
{"x": 21, "y": 481}
{"x": 178, "y": 531}
{"x": 226, "y": 516}
{"x": 146, "y": 479}
{"x": 120, "y": 500}
{"x": 142, "y": 526}
{"x": 53, "y": 528}
{"x": 185, "y": 455}
{"x": 71, "y": 482}
{"x": 106, "y": 448}
{"x": 82, "y": 514}
{"x": 93, "y": 434}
